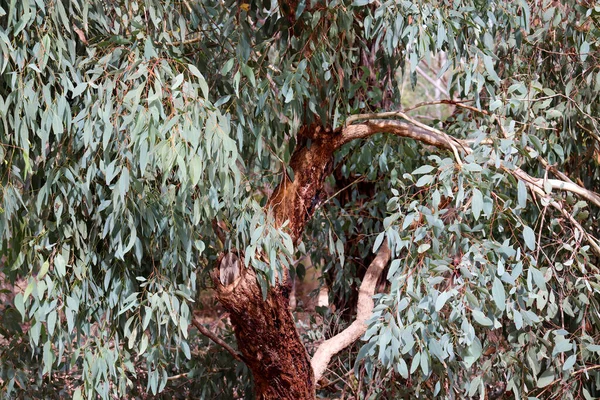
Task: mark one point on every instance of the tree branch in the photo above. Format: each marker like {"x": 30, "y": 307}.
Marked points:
{"x": 365, "y": 305}
{"x": 439, "y": 138}
{"x": 216, "y": 339}
{"x": 432, "y": 81}
{"x": 426, "y": 134}
{"x": 593, "y": 242}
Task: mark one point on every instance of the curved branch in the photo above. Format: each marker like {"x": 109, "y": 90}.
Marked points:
{"x": 441, "y": 137}
{"x": 365, "y": 305}
{"x": 415, "y": 130}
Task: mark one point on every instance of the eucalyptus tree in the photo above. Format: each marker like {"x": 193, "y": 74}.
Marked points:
{"x": 154, "y": 150}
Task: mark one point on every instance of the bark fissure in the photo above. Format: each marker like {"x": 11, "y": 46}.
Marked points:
{"x": 267, "y": 338}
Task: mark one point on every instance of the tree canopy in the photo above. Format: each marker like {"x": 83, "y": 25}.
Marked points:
{"x": 145, "y": 146}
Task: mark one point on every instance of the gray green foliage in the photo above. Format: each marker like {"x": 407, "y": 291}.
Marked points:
{"x": 128, "y": 127}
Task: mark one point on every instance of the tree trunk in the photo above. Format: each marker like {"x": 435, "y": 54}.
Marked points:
{"x": 265, "y": 329}
{"x": 267, "y": 338}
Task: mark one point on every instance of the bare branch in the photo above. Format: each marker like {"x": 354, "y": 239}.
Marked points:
{"x": 439, "y": 137}
{"x": 555, "y": 184}
{"x": 373, "y": 123}
{"x": 371, "y": 127}
{"x": 365, "y": 305}
{"x": 216, "y": 339}
{"x": 457, "y": 103}
{"x": 432, "y": 81}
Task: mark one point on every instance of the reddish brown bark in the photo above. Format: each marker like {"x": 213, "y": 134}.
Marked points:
{"x": 312, "y": 161}
{"x": 265, "y": 329}
{"x": 267, "y": 338}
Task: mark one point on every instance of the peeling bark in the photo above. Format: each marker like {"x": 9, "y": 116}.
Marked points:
{"x": 267, "y": 338}
{"x": 312, "y": 162}
{"x": 265, "y": 328}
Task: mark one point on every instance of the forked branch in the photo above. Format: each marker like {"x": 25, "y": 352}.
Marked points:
{"x": 364, "y": 306}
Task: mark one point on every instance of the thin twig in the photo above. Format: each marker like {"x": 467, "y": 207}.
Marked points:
{"x": 217, "y": 340}
{"x": 458, "y": 103}
{"x": 432, "y": 81}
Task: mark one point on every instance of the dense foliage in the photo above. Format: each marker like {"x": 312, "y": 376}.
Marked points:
{"x": 128, "y": 128}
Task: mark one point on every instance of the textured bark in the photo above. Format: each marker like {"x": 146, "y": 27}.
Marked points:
{"x": 294, "y": 199}
{"x": 267, "y": 338}
{"x": 265, "y": 329}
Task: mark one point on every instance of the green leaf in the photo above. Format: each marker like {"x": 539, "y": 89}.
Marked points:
{"x": 395, "y": 264}
{"x": 423, "y": 247}
{"x": 249, "y": 74}
{"x": 474, "y": 386}
{"x": 143, "y": 344}
{"x": 424, "y": 169}
{"x": 196, "y": 170}
{"x": 201, "y": 80}
{"x": 77, "y": 394}
{"x": 186, "y": 350}
{"x": 378, "y": 241}
{"x": 593, "y": 347}
{"x": 60, "y": 265}
{"x": 584, "y": 50}
{"x": 227, "y": 66}
{"x": 441, "y": 300}
{"x": 425, "y": 363}
{"x": 522, "y": 194}
{"x": 424, "y": 180}
{"x": 43, "y": 269}
{"x": 477, "y": 203}
{"x": 499, "y": 294}
{"x": 489, "y": 67}
{"x": 472, "y": 167}
{"x": 29, "y": 289}
{"x": 236, "y": 83}
{"x": 416, "y": 361}
{"x": 177, "y": 82}
{"x": 143, "y": 156}
{"x": 48, "y": 357}
{"x": 546, "y": 378}
{"x": 529, "y": 237}
{"x": 289, "y": 95}
{"x": 402, "y": 368}
{"x": 569, "y": 362}
{"x": 481, "y": 319}
{"x": 20, "y": 304}
{"x": 124, "y": 183}
{"x": 51, "y": 320}
{"x": 79, "y": 89}
{"x": 473, "y": 353}
{"x": 562, "y": 345}
{"x": 518, "y": 319}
